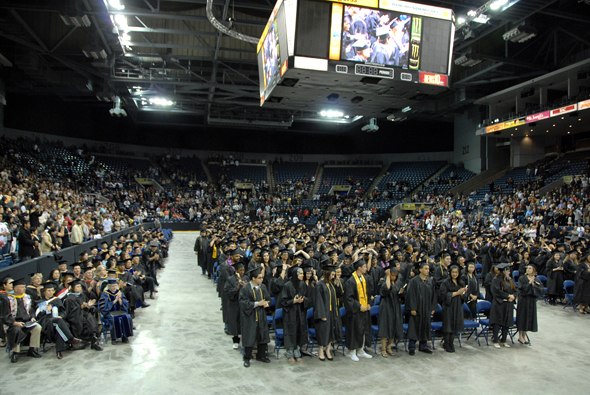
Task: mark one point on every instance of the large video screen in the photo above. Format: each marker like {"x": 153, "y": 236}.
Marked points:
{"x": 272, "y": 52}
{"x": 377, "y": 36}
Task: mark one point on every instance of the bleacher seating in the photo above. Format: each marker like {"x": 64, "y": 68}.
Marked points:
{"x": 415, "y": 173}
{"x": 295, "y": 172}
{"x": 461, "y": 175}
{"x": 344, "y": 176}
{"x": 194, "y": 167}
{"x": 242, "y": 173}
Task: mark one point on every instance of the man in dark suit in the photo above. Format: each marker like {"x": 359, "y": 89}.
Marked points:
{"x": 25, "y": 241}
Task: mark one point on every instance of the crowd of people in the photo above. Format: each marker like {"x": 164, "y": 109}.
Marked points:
{"x": 79, "y": 301}
{"x": 417, "y": 269}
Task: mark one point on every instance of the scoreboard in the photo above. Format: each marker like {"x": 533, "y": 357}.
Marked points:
{"x": 399, "y": 41}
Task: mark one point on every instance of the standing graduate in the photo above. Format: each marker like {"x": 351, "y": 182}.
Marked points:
{"x": 231, "y": 289}
{"x": 472, "y": 283}
{"x": 555, "y": 272}
{"x": 326, "y": 311}
{"x": 582, "y": 287}
{"x": 421, "y": 303}
{"x": 530, "y": 288}
{"x": 452, "y": 292}
{"x": 390, "y": 310}
{"x": 358, "y": 312}
{"x": 293, "y": 300}
{"x": 114, "y": 307}
{"x": 502, "y": 310}
{"x": 254, "y": 298}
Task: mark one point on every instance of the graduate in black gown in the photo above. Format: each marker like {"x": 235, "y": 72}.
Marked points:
{"x": 232, "y": 287}
{"x": 582, "y": 285}
{"x": 452, "y": 292}
{"x": 358, "y": 312}
{"x": 49, "y": 314}
{"x": 472, "y": 283}
{"x": 254, "y": 298}
{"x": 555, "y": 272}
{"x": 293, "y": 303}
{"x": 421, "y": 303}
{"x": 80, "y": 315}
{"x": 530, "y": 288}
{"x": 502, "y": 311}
{"x": 390, "y": 310}
{"x": 326, "y": 311}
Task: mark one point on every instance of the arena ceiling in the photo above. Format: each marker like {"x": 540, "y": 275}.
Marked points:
{"x": 70, "y": 49}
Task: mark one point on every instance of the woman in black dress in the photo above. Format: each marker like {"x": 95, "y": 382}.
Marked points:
{"x": 530, "y": 288}
{"x": 555, "y": 278}
{"x": 390, "y": 311}
{"x": 487, "y": 283}
{"x": 326, "y": 311}
{"x": 472, "y": 283}
{"x": 582, "y": 287}
{"x": 502, "y": 311}
{"x": 452, "y": 291}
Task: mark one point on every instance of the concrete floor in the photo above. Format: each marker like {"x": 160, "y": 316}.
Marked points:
{"x": 179, "y": 348}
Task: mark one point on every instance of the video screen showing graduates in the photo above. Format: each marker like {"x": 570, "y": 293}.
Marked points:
{"x": 375, "y": 36}
{"x": 270, "y": 56}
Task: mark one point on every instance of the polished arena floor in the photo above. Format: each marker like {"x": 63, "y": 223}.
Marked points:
{"x": 179, "y": 348}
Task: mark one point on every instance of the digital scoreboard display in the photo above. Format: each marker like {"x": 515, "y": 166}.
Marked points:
{"x": 396, "y": 40}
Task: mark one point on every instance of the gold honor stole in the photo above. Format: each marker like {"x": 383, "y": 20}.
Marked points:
{"x": 362, "y": 290}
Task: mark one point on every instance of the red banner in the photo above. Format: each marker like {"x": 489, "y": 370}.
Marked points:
{"x": 563, "y": 110}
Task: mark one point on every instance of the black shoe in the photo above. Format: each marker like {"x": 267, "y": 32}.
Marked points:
{"x": 132, "y": 314}
{"x": 426, "y": 350}
{"x": 452, "y": 346}
{"x": 264, "y": 359}
{"x": 113, "y": 342}
{"x": 144, "y": 305}
{"x": 14, "y": 357}
{"x": 246, "y": 363}
{"x": 33, "y": 353}
{"x": 412, "y": 352}
{"x": 96, "y": 346}
{"x": 59, "y": 355}
{"x": 75, "y": 340}
{"x": 125, "y": 340}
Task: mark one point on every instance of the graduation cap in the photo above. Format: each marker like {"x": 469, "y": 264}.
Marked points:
{"x": 73, "y": 265}
{"x": 112, "y": 281}
{"x": 62, "y": 262}
{"x": 49, "y": 284}
{"x": 111, "y": 271}
{"x": 306, "y": 267}
{"x": 238, "y": 265}
{"x": 153, "y": 244}
{"x": 255, "y": 272}
{"x": 329, "y": 268}
{"x": 88, "y": 268}
{"x": 333, "y": 252}
{"x": 358, "y": 263}
{"x": 502, "y": 266}
{"x": 75, "y": 282}
{"x": 299, "y": 241}
{"x": 64, "y": 274}
{"x": 20, "y": 281}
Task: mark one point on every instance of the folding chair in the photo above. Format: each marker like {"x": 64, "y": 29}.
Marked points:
{"x": 470, "y": 326}
{"x": 436, "y": 326}
{"x": 343, "y": 343}
{"x": 311, "y": 334}
{"x": 515, "y": 276}
{"x": 483, "y": 307}
{"x": 269, "y": 318}
{"x": 543, "y": 279}
{"x": 570, "y": 295}
{"x": 279, "y": 335}
{"x": 374, "y": 328}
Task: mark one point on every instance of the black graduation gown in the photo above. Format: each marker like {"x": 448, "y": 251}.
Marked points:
{"x": 487, "y": 283}
{"x": 472, "y": 289}
{"x": 502, "y": 311}
{"x": 526, "y": 308}
{"x": 232, "y": 312}
{"x": 570, "y": 269}
{"x": 554, "y": 279}
{"x": 81, "y": 321}
{"x": 50, "y": 325}
{"x": 440, "y": 274}
{"x": 452, "y": 307}
{"x": 420, "y": 297}
{"x": 294, "y": 316}
{"x": 32, "y": 292}
{"x": 582, "y": 286}
{"x": 225, "y": 272}
{"x": 339, "y": 320}
{"x": 358, "y": 323}
{"x": 326, "y": 306}
{"x": 253, "y": 319}
{"x": 376, "y": 274}
{"x": 390, "y": 310}
{"x": 276, "y": 286}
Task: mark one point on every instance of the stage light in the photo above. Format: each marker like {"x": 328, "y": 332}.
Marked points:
{"x": 121, "y": 21}
{"x": 116, "y": 4}
{"x": 158, "y": 101}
